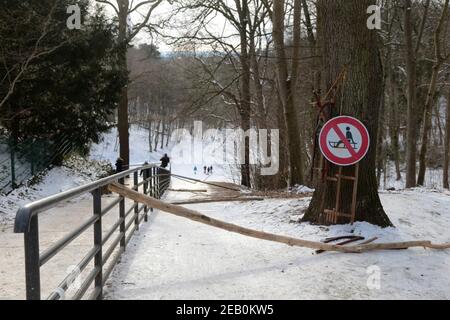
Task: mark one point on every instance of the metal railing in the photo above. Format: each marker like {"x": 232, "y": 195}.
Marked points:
{"x": 154, "y": 183}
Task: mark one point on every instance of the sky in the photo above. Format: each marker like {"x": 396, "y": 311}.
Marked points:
{"x": 217, "y": 25}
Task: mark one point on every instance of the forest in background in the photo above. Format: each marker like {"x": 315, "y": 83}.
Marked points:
{"x": 211, "y": 85}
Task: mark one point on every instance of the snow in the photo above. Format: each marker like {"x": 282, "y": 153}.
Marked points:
{"x": 433, "y": 179}
{"x": 108, "y": 148}
{"x": 74, "y": 172}
{"x": 302, "y": 190}
{"x": 174, "y": 258}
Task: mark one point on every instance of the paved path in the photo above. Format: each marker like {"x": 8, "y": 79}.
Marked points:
{"x": 53, "y": 225}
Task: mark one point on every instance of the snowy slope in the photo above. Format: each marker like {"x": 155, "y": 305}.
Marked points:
{"x": 108, "y": 148}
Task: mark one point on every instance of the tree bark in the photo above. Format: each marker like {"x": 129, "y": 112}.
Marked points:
{"x": 347, "y": 43}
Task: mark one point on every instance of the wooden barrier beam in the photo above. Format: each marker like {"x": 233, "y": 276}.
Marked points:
{"x": 188, "y": 190}
{"x": 201, "y": 218}
{"x": 212, "y": 200}
{"x": 204, "y": 182}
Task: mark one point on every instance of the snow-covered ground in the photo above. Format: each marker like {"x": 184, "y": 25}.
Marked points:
{"x": 108, "y": 148}
{"x": 174, "y": 258}
{"x": 74, "y": 172}
{"x": 433, "y": 178}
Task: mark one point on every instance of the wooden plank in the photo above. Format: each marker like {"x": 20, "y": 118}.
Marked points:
{"x": 187, "y": 190}
{"x": 344, "y": 177}
{"x": 204, "y": 182}
{"x": 354, "y": 239}
{"x": 355, "y": 194}
{"x": 201, "y": 218}
{"x": 338, "y": 195}
{"x": 212, "y": 200}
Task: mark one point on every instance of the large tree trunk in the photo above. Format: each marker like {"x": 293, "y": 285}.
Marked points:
{"x": 287, "y": 85}
{"x": 411, "y": 123}
{"x": 347, "y": 42}
{"x": 122, "y": 112}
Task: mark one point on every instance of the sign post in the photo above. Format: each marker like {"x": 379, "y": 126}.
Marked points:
{"x": 344, "y": 141}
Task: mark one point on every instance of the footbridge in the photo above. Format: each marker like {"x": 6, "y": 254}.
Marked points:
{"x": 93, "y": 246}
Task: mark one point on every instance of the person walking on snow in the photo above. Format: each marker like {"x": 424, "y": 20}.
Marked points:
{"x": 165, "y": 161}
{"x": 195, "y": 170}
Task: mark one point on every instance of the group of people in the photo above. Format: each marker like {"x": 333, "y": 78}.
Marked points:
{"x": 206, "y": 170}
{"x": 166, "y": 160}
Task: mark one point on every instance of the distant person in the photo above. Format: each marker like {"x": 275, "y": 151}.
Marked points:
{"x": 204, "y": 169}
{"x": 142, "y": 171}
{"x": 211, "y": 169}
{"x": 195, "y": 170}
{"x": 165, "y": 161}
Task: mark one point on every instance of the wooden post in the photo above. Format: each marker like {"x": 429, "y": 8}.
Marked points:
{"x": 338, "y": 196}
{"x": 355, "y": 193}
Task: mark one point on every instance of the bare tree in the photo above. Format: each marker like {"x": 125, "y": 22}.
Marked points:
{"x": 123, "y": 9}
{"x": 411, "y": 66}
{"x": 287, "y": 84}
{"x": 439, "y": 59}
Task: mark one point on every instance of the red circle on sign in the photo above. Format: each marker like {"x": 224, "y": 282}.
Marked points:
{"x": 355, "y": 155}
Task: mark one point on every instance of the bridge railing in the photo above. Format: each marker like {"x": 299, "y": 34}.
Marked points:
{"x": 155, "y": 181}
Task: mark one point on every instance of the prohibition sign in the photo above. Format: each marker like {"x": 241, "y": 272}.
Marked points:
{"x": 344, "y": 141}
